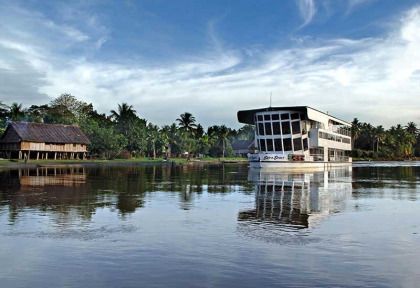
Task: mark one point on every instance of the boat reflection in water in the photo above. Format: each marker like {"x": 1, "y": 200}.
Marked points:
{"x": 293, "y": 201}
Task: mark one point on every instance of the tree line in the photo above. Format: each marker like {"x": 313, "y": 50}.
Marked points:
{"x": 122, "y": 133}
{"x": 398, "y": 142}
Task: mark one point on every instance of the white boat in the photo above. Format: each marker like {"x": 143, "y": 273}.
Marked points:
{"x": 297, "y": 137}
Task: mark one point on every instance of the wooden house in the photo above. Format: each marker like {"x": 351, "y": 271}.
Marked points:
{"x": 43, "y": 141}
{"x": 242, "y": 147}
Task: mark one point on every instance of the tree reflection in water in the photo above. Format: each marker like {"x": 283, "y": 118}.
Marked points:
{"x": 71, "y": 194}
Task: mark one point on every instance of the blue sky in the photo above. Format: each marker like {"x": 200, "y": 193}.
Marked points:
{"x": 352, "y": 58}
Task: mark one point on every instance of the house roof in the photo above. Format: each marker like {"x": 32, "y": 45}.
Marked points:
{"x": 247, "y": 116}
{"x": 242, "y": 144}
{"x": 43, "y": 133}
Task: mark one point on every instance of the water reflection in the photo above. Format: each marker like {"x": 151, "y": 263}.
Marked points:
{"x": 386, "y": 180}
{"x": 295, "y": 200}
{"x": 69, "y": 195}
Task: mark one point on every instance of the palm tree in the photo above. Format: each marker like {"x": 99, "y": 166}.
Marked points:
{"x": 124, "y": 113}
{"x": 380, "y": 136}
{"x": 165, "y": 133}
{"x": 152, "y": 135}
{"x": 187, "y": 122}
{"x": 411, "y": 128}
{"x": 223, "y": 136}
{"x": 16, "y": 112}
{"x": 4, "y": 110}
{"x": 355, "y": 130}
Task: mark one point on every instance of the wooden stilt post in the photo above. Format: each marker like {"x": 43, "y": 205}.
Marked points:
{"x": 20, "y": 155}
{"x": 46, "y": 156}
{"x": 37, "y": 156}
{"x": 55, "y": 156}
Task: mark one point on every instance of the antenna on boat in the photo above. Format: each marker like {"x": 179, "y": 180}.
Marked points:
{"x": 270, "y": 98}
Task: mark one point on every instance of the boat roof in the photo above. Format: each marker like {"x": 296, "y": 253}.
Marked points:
{"x": 247, "y": 116}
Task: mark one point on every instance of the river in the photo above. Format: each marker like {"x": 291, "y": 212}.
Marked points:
{"x": 210, "y": 226}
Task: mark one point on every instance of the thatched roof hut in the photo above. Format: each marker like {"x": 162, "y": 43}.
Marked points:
{"x": 23, "y": 137}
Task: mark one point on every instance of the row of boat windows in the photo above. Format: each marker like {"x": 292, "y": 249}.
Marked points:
{"x": 285, "y": 144}
{"x": 283, "y": 116}
{"x": 278, "y": 128}
{"x": 324, "y": 135}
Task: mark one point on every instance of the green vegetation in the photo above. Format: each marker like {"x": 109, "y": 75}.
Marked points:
{"x": 396, "y": 143}
{"x": 123, "y": 134}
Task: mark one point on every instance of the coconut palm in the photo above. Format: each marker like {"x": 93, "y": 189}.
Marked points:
{"x": 125, "y": 112}
{"x": 152, "y": 136}
{"x": 165, "y": 133}
{"x": 16, "y": 112}
{"x": 411, "y": 128}
{"x": 355, "y": 130}
{"x": 223, "y": 136}
{"x": 187, "y": 122}
{"x": 380, "y": 136}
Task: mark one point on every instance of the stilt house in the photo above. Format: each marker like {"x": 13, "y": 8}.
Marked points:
{"x": 43, "y": 141}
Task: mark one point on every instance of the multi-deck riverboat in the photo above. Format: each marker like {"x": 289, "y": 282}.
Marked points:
{"x": 297, "y": 137}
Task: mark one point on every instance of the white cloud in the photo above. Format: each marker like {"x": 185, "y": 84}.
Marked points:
{"x": 307, "y": 10}
{"x": 354, "y": 4}
{"x": 374, "y": 79}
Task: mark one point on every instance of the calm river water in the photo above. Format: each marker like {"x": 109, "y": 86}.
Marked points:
{"x": 210, "y": 226}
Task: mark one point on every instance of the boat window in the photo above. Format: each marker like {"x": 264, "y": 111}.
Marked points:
{"x": 270, "y": 145}
{"x": 275, "y": 116}
{"x": 295, "y": 116}
{"x": 305, "y": 144}
{"x": 260, "y": 118}
{"x": 267, "y": 117}
{"x": 262, "y": 144}
{"x": 285, "y": 127}
{"x": 287, "y": 144}
{"x": 268, "y": 128}
{"x": 277, "y": 144}
{"x": 296, "y": 127}
{"x": 276, "y": 128}
{"x": 261, "y": 129}
{"x": 297, "y": 144}
{"x": 285, "y": 116}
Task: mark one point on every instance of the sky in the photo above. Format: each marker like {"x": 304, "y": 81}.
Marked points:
{"x": 350, "y": 58}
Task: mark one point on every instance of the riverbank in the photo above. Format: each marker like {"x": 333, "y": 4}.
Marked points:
{"x": 384, "y": 159}
{"x": 14, "y": 163}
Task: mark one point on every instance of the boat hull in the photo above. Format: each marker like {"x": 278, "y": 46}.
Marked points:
{"x": 297, "y": 165}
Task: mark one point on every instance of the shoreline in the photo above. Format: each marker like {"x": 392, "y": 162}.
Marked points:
{"x": 19, "y": 164}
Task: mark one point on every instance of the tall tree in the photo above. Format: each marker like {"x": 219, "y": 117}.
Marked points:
{"x": 4, "y": 111}
{"x": 355, "y": 130}
{"x": 411, "y": 128}
{"x": 78, "y": 109}
{"x": 187, "y": 122}
{"x": 223, "y": 136}
{"x": 124, "y": 114}
{"x": 38, "y": 113}
{"x": 153, "y": 136}
{"x": 16, "y": 112}
{"x": 131, "y": 126}
{"x": 380, "y": 136}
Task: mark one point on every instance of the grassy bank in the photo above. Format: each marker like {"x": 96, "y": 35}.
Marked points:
{"x": 21, "y": 163}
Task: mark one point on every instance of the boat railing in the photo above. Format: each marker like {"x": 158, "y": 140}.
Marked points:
{"x": 316, "y": 157}
{"x": 339, "y": 159}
